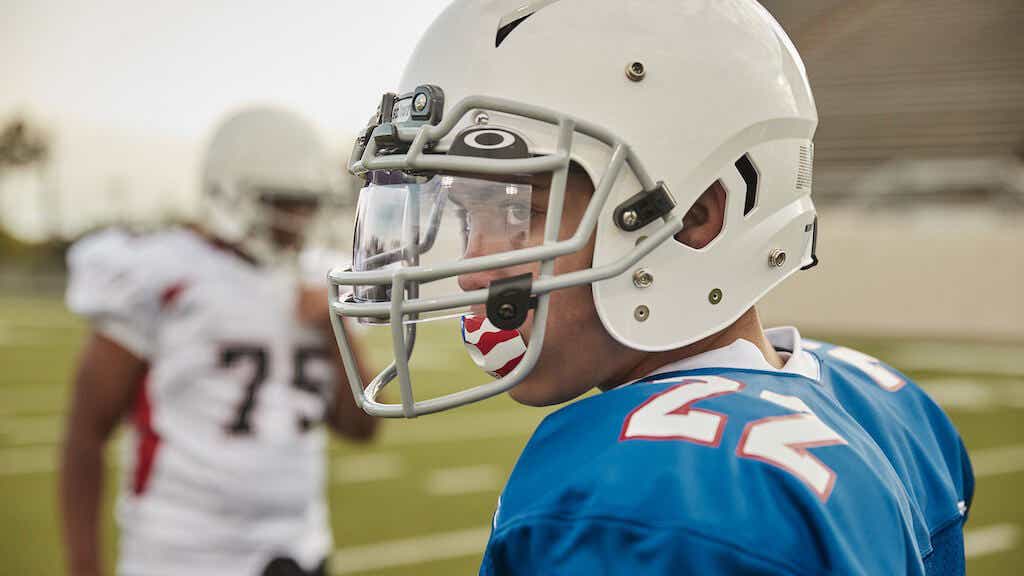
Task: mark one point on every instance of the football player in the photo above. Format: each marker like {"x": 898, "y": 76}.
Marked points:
{"x": 212, "y": 342}
{"x": 602, "y": 192}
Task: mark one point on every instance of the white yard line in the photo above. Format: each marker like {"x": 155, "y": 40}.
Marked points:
{"x": 24, "y": 340}
{"x": 38, "y": 322}
{"x": 15, "y": 334}
{"x": 516, "y": 422}
{"x": 983, "y": 541}
{"x": 961, "y": 393}
{"x": 39, "y": 398}
{"x": 21, "y": 461}
{"x": 464, "y": 480}
{"x": 991, "y": 539}
{"x": 997, "y": 461}
{"x": 359, "y": 468}
{"x": 970, "y": 395}
{"x": 410, "y": 551}
{"x": 32, "y": 430}
{"x": 963, "y": 357}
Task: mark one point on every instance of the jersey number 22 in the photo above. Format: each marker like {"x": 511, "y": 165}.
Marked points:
{"x": 781, "y": 441}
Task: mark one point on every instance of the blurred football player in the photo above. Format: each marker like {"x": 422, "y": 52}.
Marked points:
{"x": 213, "y": 342}
{"x": 627, "y": 180}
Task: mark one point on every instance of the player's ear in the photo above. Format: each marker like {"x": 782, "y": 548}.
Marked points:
{"x": 704, "y": 221}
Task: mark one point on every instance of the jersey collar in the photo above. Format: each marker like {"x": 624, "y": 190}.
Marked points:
{"x": 743, "y": 354}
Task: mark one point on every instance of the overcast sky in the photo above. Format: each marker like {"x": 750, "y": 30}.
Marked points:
{"x": 130, "y": 89}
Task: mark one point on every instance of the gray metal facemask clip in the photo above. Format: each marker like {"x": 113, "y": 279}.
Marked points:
{"x": 643, "y": 208}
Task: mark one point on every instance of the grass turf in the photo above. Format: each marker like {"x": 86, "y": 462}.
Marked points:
{"x": 398, "y": 488}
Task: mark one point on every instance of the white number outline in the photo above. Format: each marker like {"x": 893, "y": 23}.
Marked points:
{"x": 717, "y": 386}
{"x": 688, "y": 393}
{"x": 871, "y": 367}
{"x": 744, "y": 450}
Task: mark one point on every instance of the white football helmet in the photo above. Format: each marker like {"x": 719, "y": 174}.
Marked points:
{"x": 655, "y": 100}
{"x": 259, "y": 162}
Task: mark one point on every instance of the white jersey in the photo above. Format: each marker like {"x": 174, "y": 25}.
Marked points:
{"x": 225, "y": 464}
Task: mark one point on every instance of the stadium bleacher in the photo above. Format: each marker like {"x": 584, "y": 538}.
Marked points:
{"x": 909, "y": 79}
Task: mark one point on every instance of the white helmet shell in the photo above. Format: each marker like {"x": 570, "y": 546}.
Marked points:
{"x": 645, "y": 96}
{"x": 720, "y": 80}
{"x": 257, "y": 149}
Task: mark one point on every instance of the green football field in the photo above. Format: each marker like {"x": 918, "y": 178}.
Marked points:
{"x": 420, "y": 499}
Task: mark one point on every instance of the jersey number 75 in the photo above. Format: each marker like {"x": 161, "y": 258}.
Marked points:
{"x": 259, "y": 358}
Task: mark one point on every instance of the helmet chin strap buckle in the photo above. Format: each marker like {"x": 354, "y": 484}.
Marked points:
{"x": 509, "y": 301}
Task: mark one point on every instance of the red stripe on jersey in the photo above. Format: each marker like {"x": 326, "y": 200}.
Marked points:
{"x": 171, "y": 293}
{"x": 147, "y": 440}
{"x": 509, "y": 366}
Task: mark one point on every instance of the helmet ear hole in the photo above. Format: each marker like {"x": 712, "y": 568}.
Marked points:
{"x": 705, "y": 220}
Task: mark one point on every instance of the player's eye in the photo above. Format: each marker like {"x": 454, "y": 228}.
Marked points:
{"x": 517, "y": 216}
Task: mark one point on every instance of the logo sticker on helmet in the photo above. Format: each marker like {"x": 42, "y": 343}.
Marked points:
{"x": 490, "y": 142}
{"x": 489, "y": 139}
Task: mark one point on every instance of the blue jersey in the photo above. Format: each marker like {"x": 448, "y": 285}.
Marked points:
{"x": 737, "y": 471}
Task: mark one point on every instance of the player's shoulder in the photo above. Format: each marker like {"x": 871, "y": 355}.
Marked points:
{"x": 115, "y": 273}
{"x": 699, "y": 454}
{"x": 119, "y": 249}
{"x": 917, "y": 436}
{"x": 878, "y": 394}
{"x": 684, "y": 430}
{"x": 856, "y": 368}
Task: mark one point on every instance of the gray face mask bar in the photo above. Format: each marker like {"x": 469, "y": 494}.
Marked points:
{"x": 410, "y": 138}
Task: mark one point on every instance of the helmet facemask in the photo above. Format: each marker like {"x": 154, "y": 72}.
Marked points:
{"x": 429, "y": 195}
{"x": 693, "y": 91}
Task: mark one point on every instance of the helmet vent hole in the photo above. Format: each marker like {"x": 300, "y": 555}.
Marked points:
{"x": 805, "y": 172}
{"x": 507, "y": 29}
{"x": 750, "y": 179}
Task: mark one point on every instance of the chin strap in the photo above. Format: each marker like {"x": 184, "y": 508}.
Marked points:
{"x": 492, "y": 349}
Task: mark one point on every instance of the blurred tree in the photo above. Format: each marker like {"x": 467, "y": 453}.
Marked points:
{"x": 26, "y": 147}
{"x": 22, "y": 146}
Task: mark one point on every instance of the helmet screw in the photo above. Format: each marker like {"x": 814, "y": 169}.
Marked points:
{"x": 641, "y": 313}
{"x": 636, "y": 71}
{"x": 629, "y": 217}
{"x": 776, "y": 258}
{"x": 715, "y": 296}
{"x": 481, "y": 118}
{"x": 419, "y": 103}
{"x": 642, "y": 278}
{"x": 507, "y": 311}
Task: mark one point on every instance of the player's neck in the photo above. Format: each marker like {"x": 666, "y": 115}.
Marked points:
{"x": 747, "y": 327}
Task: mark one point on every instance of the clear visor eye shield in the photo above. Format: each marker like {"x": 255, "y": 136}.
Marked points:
{"x": 452, "y": 233}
